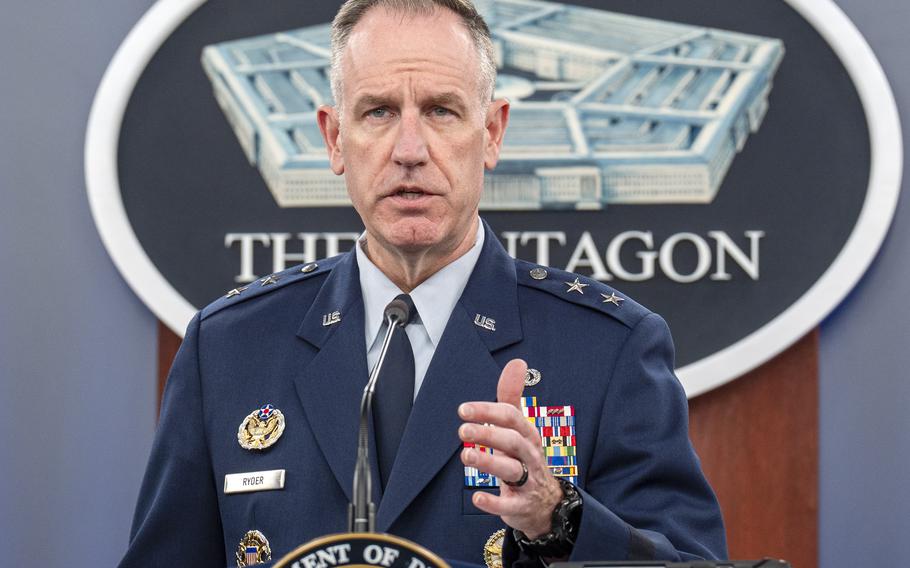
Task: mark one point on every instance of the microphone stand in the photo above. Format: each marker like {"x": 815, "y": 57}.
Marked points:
{"x": 362, "y": 511}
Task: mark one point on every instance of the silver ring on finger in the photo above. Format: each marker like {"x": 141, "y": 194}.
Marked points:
{"x": 522, "y": 480}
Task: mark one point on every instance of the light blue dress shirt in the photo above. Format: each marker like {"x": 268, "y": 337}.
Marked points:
{"x": 434, "y": 299}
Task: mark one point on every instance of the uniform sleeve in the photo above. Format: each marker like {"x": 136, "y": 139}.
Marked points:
{"x": 177, "y": 522}
{"x": 645, "y": 496}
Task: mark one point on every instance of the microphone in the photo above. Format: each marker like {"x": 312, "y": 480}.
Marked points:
{"x": 362, "y": 511}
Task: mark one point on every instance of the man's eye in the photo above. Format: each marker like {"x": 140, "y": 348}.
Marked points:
{"x": 440, "y": 111}
{"x": 380, "y": 112}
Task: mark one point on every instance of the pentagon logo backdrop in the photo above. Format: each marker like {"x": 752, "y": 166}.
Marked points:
{"x": 726, "y": 164}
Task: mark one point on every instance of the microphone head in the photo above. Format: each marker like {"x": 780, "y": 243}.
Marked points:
{"x": 399, "y": 310}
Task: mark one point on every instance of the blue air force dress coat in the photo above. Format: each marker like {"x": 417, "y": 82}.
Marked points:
{"x": 643, "y": 489}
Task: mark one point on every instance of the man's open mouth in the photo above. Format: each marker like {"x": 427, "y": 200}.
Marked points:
{"x": 410, "y": 193}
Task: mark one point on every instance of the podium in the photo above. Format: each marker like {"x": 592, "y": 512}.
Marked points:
{"x": 389, "y": 551}
{"x": 361, "y": 549}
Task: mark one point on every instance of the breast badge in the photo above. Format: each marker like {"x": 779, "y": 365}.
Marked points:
{"x": 492, "y": 550}
{"x": 532, "y": 377}
{"x": 253, "y": 549}
{"x": 261, "y": 428}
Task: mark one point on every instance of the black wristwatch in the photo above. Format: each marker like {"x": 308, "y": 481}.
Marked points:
{"x": 559, "y": 542}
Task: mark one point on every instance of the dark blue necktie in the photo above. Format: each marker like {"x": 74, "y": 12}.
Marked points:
{"x": 394, "y": 396}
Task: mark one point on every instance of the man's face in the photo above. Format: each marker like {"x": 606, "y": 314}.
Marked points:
{"x": 413, "y": 136}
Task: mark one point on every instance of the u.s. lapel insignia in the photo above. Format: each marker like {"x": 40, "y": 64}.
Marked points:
{"x": 331, "y": 319}
{"x": 485, "y": 322}
{"x": 253, "y": 549}
{"x": 556, "y": 427}
{"x": 261, "y": 428}
{"x": 612, "y": 299}
{"x": 576, "y": 286}
{"x": 532, "y": 377}
{"x": 492, "y": 550}
{"x": 270, "y": 279}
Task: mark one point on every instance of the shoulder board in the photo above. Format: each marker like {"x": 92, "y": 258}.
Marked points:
{"x": 270, "y": 283}
{"x": 580, "y": 290}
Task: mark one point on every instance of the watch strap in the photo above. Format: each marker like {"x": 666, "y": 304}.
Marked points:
{"x": 559, "y": 542}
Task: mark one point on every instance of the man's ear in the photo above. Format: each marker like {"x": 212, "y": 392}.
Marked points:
{"x": 497, "y": 120}
{"x": 329, "y": 125}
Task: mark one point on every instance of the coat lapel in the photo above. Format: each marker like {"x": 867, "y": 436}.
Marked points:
{"x": 462, "y": 369}
{"x": 331, "y": 385}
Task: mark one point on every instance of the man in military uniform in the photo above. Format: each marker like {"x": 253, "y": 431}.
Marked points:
{"x": 286, "y": 358}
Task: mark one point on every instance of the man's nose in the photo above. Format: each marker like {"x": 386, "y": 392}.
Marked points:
{"x": 411, "y": 144}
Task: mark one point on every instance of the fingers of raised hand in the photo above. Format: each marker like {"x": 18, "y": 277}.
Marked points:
{"x": 530, "y": 509}
{"x": 501, "y": 439}
{"x": 502, "y": 505}
{"x": 502, "y": 466}
{"x": 498, "y": 414}
{"x": 512, "y": 382}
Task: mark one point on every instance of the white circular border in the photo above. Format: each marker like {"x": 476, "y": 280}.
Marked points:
{"x": 143, "y": 41}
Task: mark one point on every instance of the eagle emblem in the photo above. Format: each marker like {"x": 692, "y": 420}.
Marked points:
{"x": 492, "y": 550}
{"x": 253, "y": 549}
{"x": 261, "y": 428}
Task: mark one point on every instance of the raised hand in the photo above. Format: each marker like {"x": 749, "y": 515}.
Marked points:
{"x": 529, "y": 492}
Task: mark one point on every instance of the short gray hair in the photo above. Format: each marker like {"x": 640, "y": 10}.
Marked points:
{"x": 352, "y": 11}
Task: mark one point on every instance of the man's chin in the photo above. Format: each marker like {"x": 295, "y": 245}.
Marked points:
{"x": 414, "y": 235}
{"x": 413, "y": 245}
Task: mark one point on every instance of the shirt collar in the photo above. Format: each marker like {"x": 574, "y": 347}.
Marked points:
{"x": 434, "y": 298}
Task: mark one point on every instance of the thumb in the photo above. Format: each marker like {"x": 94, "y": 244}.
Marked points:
{"x": 512, "y": 383}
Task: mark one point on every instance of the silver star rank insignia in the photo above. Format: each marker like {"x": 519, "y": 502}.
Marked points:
{"x": 576, "y": 286}
{"x": 612, "y": 299}
{"x": 270, "y": 279}
{"x": 236, "y": 291}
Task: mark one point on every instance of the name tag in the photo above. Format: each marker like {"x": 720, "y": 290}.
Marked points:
{"x": 254, "y": 481}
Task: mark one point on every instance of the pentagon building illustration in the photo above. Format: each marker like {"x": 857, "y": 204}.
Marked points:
{"x": 606, "y": 107}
